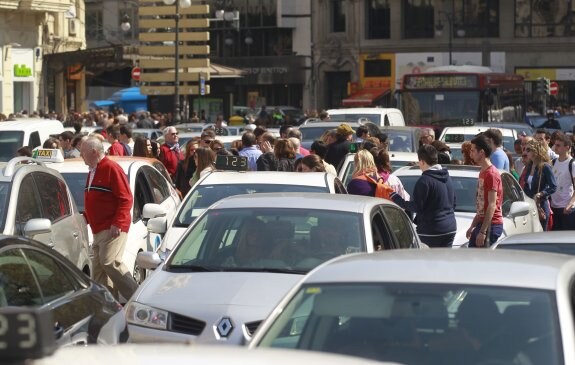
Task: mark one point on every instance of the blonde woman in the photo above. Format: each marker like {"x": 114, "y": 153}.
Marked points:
{"x": 364, "y": 164}
{"x": 205, "y": 163}
{"x": 539, "y": 181}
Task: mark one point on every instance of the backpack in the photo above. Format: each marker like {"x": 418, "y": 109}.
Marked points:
{"x": 382, "y": 189}
{"x": 570, "y": 169}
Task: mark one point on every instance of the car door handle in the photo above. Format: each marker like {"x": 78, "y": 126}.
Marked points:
{"x": 75, "y": 234}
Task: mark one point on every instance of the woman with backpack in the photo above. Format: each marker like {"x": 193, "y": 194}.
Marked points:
{"x": 433, "y": 201}
{"x": 364, "y": 176}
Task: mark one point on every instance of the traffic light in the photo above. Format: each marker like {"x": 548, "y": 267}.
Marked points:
{"x": 540, "y": 86}
{"x": 546, "y": 86}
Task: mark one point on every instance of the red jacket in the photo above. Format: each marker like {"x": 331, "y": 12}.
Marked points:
{"x": 108, "y": 201}
{"x": 116, "y": 149}
{"x": 170, "y": 159}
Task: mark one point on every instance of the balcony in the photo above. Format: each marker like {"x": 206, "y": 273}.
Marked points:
{"x": 51, "y": 6}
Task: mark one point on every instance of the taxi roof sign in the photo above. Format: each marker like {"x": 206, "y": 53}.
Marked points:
{"x": 48, "y": 155}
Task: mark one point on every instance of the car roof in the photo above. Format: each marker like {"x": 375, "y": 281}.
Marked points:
{"x": 506, "y": 132}
{"x": 267, "y": 177}
{"x": 10, "y": 168}
{"x": 512, "y": 268}
{"x": 454, "y": 170}
{"x": 28, "y": 123}
{"x": 78, "y": 165}
{"x": 311, "y": 201}
{"x": 333, "y": 124}
{"x": 549, "y": 237}
{"x": 393, "y": 156}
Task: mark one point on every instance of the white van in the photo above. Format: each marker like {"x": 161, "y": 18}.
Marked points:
{"x": 25, "y": 132}
{"x": 379, "y": 116}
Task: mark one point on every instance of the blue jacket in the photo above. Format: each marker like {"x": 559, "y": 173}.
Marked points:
{"x": 548, "y": 183}
{"x": 433, "y": 200}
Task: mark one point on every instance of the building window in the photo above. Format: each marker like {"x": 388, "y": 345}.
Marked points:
{"x": 377, "y": 68}
{"x": 418, "y": 18}
{"x": 535, "y": 18}
{"x": 378, "y": 17}
{"x": 94, "y": 25}
{"x": 478, "y": 18}
{"x": 337, "y": 12}
{"x": 254, "y": 13}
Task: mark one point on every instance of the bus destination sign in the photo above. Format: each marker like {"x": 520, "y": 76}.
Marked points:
{"x": 428, "y": 81}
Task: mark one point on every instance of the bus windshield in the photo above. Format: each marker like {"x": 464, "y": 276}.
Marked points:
{"x": 441, "y": 107}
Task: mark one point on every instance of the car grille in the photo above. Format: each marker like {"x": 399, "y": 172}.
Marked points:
{"x": 186, "y": 325}
{"x": 252, "y": 327}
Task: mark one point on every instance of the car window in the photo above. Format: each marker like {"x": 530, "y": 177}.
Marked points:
{"x": 142, "y": 196}
{"x": 382, "y": 240}
{"x": 10, "y": 141}
{"x": 400, "y": 225}
{"x": 76, "y": 183}
{"x": 53, "y": 280}
{"x": 28, "y": 205}
{"x": 339, "y": 187}
{"x": 17, "y": 284}
{"x": 511, "y": 193}
{"x": 54, "y": 196}
{"x": 268, "y": 238}
{"x": 158, "y": 185}
{"x": 465, "y": 190}
{"x": 34, "y": 140}
{"x": 404, "y": 323}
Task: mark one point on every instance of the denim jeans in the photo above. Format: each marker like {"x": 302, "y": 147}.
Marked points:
{"x": 494, "y": 234}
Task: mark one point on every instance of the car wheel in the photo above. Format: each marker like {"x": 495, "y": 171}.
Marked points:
{"x": 139, "y": 274}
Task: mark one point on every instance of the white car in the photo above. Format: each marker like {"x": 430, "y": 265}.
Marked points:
{"x": 439, "y": 306}
{"x": 151, "y": 191}
{"x": 397, "y": 160}
{"x": 243, "y": 254}
{"x": 36, "y": 202}
{"x": 31, "y": 132}
{"x": 550, "y": 241}
{"x": 519, "y": 211}
{"x": 379, "y": 116}
{"x": 221, "y": 184}
{"x": 455, "y": 136}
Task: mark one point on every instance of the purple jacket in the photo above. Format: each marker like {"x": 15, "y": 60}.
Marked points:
{"x": 361, "y": 187}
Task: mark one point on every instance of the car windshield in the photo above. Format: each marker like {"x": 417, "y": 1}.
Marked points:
{"x": 464, "y": 187}
{"x": 267, "y": 239}
{"x": 400, "y": 141}
{"x": 4, "y": 195}
{"x": 508, "y": 141}
{"x": 10, "y": 141}
{"x": 313, "y": 133}
{"x": 432, "y": 324}
{"x": 76, "y": 182}
{"x": 359, "y": 117}
{"x": 203, "y": 196}
{"x": 564, "y": 248}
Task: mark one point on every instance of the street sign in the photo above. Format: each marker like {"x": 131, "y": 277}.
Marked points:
{"x": 136, "y": 72}
{"x": 553, "y": 88}
{"x": 202, "y": 85}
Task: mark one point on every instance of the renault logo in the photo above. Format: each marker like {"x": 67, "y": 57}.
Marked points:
{"x": 225, "y": 327}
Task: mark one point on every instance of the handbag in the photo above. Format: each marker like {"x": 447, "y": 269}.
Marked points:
{"x": 540, "y": 210}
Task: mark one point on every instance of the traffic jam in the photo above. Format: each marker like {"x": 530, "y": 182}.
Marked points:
{"x": 410, "y": 235}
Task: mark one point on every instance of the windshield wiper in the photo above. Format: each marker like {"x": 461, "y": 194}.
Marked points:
{"x": 192, "y": 268}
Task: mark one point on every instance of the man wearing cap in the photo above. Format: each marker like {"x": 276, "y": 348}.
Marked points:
{"x": 337, "y": 150}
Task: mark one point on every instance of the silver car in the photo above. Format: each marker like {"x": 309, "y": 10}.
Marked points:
{"x": 433, "y": 307}
{"x": 553, "y": 241}
{"x": 243, "y": 254}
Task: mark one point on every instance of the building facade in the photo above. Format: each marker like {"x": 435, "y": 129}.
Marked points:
{"x": 370, "y": 44}
{"x": 30, "y": 31}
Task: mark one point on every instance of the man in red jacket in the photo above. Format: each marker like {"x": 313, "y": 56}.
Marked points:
{"x": 170, "y": 153}
{"x": 108, "y": 202}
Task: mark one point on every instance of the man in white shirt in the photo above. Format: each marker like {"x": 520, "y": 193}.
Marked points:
{"x": 563, "y": 199}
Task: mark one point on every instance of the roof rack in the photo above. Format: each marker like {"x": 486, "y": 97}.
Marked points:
{"x": 22, "y": 160}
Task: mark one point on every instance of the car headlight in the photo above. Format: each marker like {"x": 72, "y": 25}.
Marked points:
{"x": 143, "y": 315}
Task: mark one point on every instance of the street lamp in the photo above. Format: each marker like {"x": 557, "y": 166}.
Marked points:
{"x": 125, "y": 25}
{"x": 439, "y": 32}
{"x": 179, "y": 4}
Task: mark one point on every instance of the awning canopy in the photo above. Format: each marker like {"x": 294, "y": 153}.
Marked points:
{"x": 365, "y": 97}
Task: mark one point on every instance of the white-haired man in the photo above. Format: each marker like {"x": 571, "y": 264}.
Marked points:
{"x": 108, "y": 203}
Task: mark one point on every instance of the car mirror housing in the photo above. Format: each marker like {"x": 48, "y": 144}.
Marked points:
{"x": 148, "y": 260}
{"x": 158, "y": 225}
{"x": 37, "y": 226}
{"x": 518, "y": 209}
{"x": 152, "y": 210}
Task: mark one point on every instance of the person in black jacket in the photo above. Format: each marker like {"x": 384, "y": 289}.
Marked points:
{"x": 433, "y": 201}
{"x": 337, "y": 150}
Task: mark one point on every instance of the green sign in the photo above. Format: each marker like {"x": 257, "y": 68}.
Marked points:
{"x": 22, "y": 71}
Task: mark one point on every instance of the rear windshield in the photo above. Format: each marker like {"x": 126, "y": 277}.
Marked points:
{"x": 10, "y": 141}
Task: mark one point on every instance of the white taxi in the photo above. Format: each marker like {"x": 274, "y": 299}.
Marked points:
{"x": 221, "y": 184}
{"x": 36, "y": 202}
{"x": 148, "y": 186}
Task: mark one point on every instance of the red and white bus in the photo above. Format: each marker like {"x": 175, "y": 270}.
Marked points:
{"x": 460, "y": 96}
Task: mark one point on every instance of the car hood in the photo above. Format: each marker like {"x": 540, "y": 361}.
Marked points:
{"x": 204, "y": 291}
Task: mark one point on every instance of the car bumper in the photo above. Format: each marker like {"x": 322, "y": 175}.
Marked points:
{"x": 140, "y": 334}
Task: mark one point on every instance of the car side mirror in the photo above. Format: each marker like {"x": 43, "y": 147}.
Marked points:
{"x": 152, "y": 210}
{"x": 148, "y": 260}
{"x": 158, "y": 225}
{"x": 519, "y": 209}
{"x": 37, "y": 226}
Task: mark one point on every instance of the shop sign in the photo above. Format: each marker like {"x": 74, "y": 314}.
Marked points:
{"x": 22, "y": 71}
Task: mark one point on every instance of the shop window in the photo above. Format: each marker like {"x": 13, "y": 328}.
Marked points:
{"x": 337, "y": 13}
{"x": 378, "y": 19}
{"x": 535, "y": 18}
{"x": 418, "y": 18}
{"x": 477, "y": 18}
{"x": 377, "y": 68}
